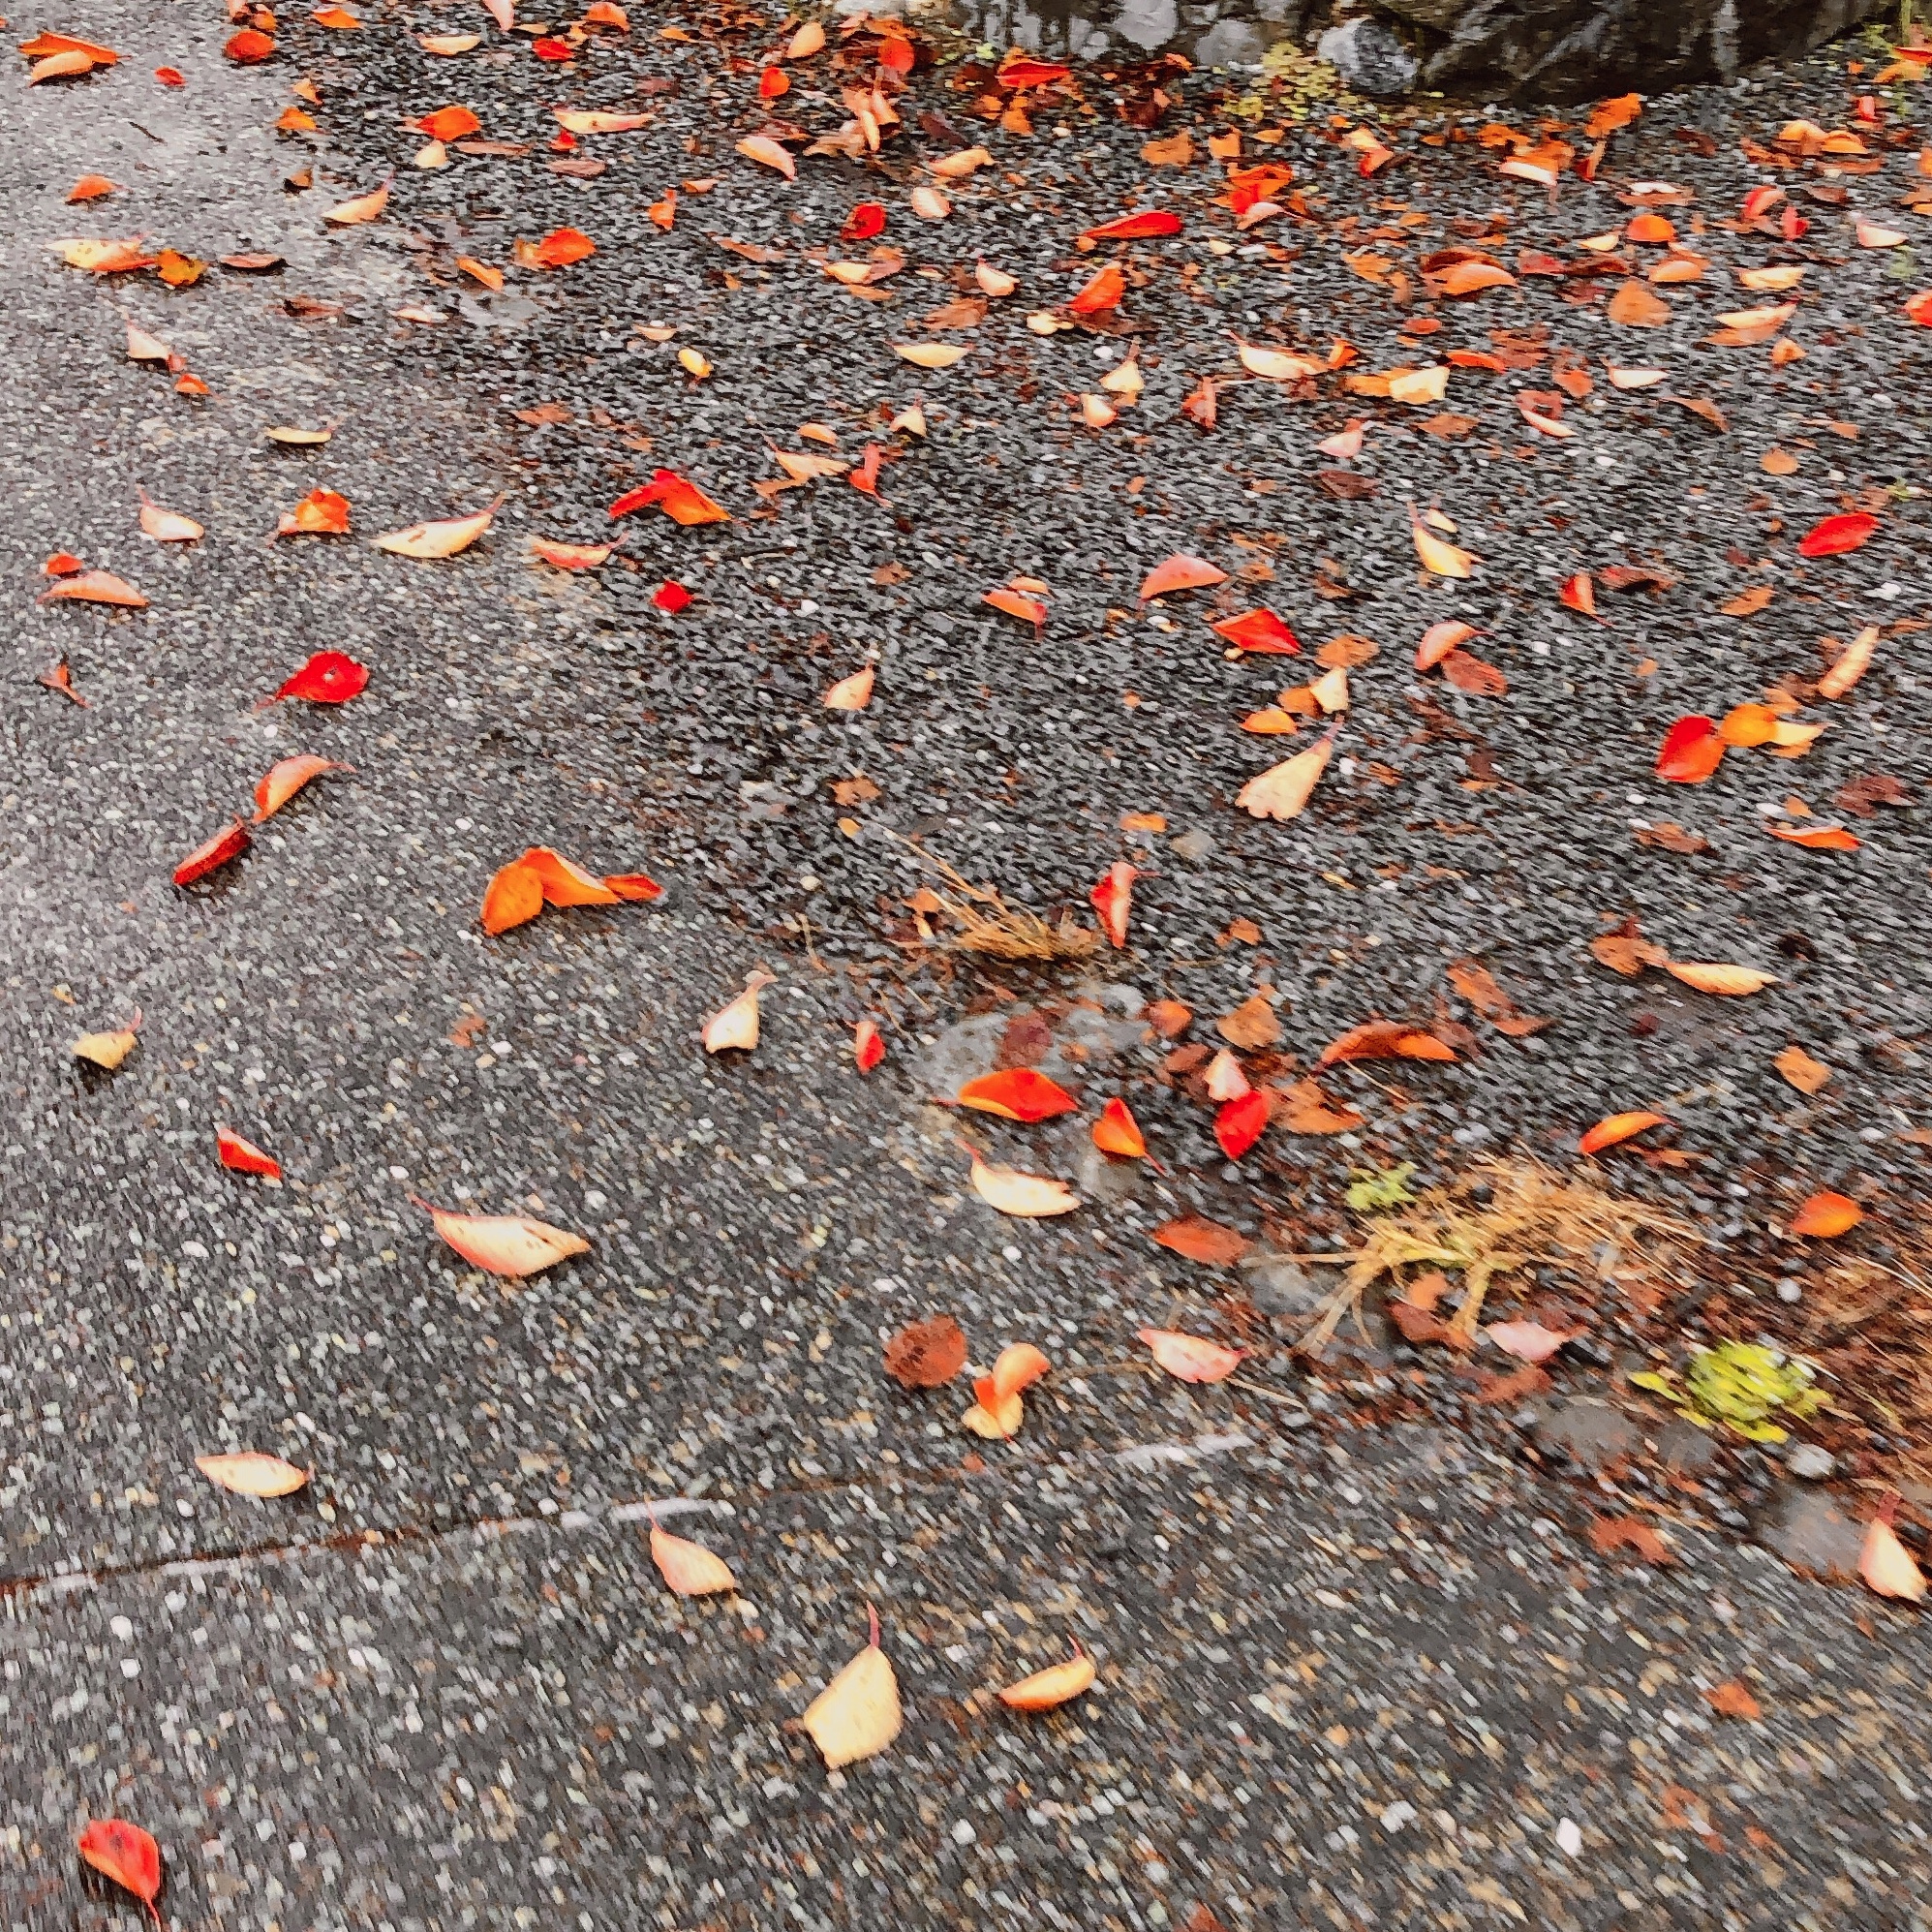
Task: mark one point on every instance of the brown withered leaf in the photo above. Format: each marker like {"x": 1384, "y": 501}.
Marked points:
{"x": 1253, "y": 1024}
{"x": 1344, "y": 653}
{"x": 1732, "y": 1698}
{"x": 968, "y": 312}
{"x": 1304, "y": 1108}
{"x": 310, "y": 308}
{"x": 1169, "y": 1018}
{"x": 751, "y": 251}
{"x": 1669, "y": 837}
{"x": 894, "y": 572}
{"x": 1346, "y": 486}
{"x": 1748, "y": 603}
{"x": 1862, "y": 795}
{"x": 1802, "y": 1070}
{"x": 1492, "y": 1390}
{"x": 1631, "y": 1533}
{"x": 496, "y": 150}
{"x": 1626, "y": 950}
{"x": 1446, "y": 427}
{"x": 579, "y": 166}
{"x": 1702, "y": 406}
{"x": 858, "y": 790}
{"x": 1475, "y": 982}
{"x": 543, "y": 413}
{"x": 927, "y": 1354}
{"x": 1418, "y": 1325}
{"x": 1473, "y": 675}
{"x": 1199, "y": 1239}
{"x": 1633, "y": 578}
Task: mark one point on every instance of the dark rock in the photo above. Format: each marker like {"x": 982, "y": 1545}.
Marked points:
{"x": 1578, "y": 49}
{"x": 1589, "y": 1433}
{"x": 1685, "y": 1448}
{"x": 1813, "y": 1534}
{"x": 1369, "y": 56}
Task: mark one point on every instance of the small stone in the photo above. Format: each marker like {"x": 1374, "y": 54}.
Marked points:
{"x": 1791, "y": 1292}
{"x": 1808, "y": 1529}
{"x": 1685, "y": 1448}
{"x": 1588, "y": 1433}
{"x": 1368, "y": 58}
{"x": 1808, "y": 1462}
{"x": 1397, "y": 1815}
{"x": 1193, "y": 846}
{"x": 963, "y": 1833}
{"x": 1229, "y": 44}
{"x": 1569, "y": 1837}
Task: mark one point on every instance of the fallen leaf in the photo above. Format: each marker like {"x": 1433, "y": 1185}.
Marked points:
{"x": 1260, "y": 632}
{"x": 329, "y": 677}
{"x": 1635, "y": 306}
{"x": 868, "y": 1046}
{"x": 857, "y": 1715}
{"x": 735, "y": 1024}
{"x": 1627, "y": 951}
{"x": 1282, "y": 791}
{"x": 1692, "y": 751}
{"x": 1017, "y": 1093}
{"x": 91, "y": 187}
{"x": 167, "y": 526}
{"x": 1046, "y": 1690}
{"x": 1196, "y": 1239}
{"x": 1303, "y": 1109}
{"x": 449, "y": 123}
{"x": 227, "y": 844}
{"x": 125, "y": 1854}
{"x": 248, "y": 46}
{"x": 680, "y": 499}
{"x": 320, "y": 513}
{"x": 1473, "y": 675}
{"x": 1816, "y": 837}
{"x": 507, "y": 1245}
{"x": 1734, "y": 981}
{"x": 1444, "y": 559}
{"x": 1117, "y": 1133}
{"x": 1631, "y": 1533}
{"x": 1241, "y": 1123}
{"x": 362, "y": 208}
{"x": 1888, "y": 1567}
{"x": 244, "y": 1156}
{"x": 1527, "y": 1341}
{"x": 1748, "y": 603}
{"x": 1026, "y": 1196}
{"x": 1253, "y": 1024}
{"x": 1800, "y": 1070}
{"x": 1616, "y": 1128}
{"x": 1181, "y": 572}
{"x": 110, "y": 1049}
{"x": 1188, "y": 1358}
{"x": 1837, "y": 534}
{"x": 445, "y": 538}
{"x": 769, "y": 154}
{"x": 59, "y": 677}
{"x": 1778, "y": 463}
{"x": 1850, "y": 664}
{"x": 852, "y": 694}
{"x": 1385, "y": 1039}
{"x": 1827, "y": 1215}
{"x": 688, "y": 1569}
{"x": 927, "y": 1354}
{"x": 285, "y": 777}
{"x": 1732, "y": 1698}
{"x": 95, "y": 587}
{"x": 250, "y": 1472}
{"x": 559, "y": 249}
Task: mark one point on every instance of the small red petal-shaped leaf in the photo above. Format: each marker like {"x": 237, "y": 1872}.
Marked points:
{"x": 1693, "y": 748}
{"x": 868, "y": 1045}
{"x": 1240, "y": 1123}
{"x": 1260, "y": 632}
{"x": 1144, "y": 225}
{"x": 670, "y": 597}
{"x": 1018, "y": 1093}
{"x": 1827, "y": 1215}
{"x": 864, "y": 221}
{"x": 1100, "y": 294}
{"x": 329, "y": 677}
{"x": 227, "y": 844}
{"x": 1114, "y": 899}
{"x": 125, "y": 1854}
{"x": 1837, "y": 534}
{"x": 1181, "y": 572}
{"x": 1616, "y": 1127}
{"x": 244, "y": 1156}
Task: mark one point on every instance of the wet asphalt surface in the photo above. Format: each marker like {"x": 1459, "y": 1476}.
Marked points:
{"x": 364, "y": 1706}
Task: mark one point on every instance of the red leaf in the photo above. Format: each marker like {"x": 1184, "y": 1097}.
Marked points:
{"x": 1693, "y": 748}
{"x": 1204, "y": 1240}
{"x": 248, "y": 46}
{"x": 1025, "y": 70}
{"x": 1181, "y": 572}
{"x": 244, "y": 1156}
{"x": 1142, "y": 226}
{"x": 125, "y": 1854}
{"x": 864, "y": 221}
{"x": 550, "y": 49}
{"x": 773, "y": 82}
{"x": 1837, "y": 534}
{"x": 1118, "y": 1132}
{"x": 670, "y": 596}
{"x": 1239, "y": 1123}
{"x": 680, "y": 499}
{"x": 170, "y": 76}
{"x": 1018, "y": 1093}
{"x": 868, "y": 1045}
{"x": 1260, "y": 632}
{"x": 226, "y": 844}
{"x": 329, "y": 677}
{"x": 1114, "y": 899}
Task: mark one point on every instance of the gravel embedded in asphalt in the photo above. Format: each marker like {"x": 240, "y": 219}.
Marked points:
{"x": 759, "y": 1227}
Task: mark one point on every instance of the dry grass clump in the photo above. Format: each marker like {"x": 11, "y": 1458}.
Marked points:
{"x": 986, "y": 923}
{"x": 1531, "y": 1215}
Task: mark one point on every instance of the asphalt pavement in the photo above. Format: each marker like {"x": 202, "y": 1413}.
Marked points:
{"x": 1360, "y": 1661}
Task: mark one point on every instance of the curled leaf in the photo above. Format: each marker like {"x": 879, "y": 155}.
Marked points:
{"x": 95, "y": 587}
{"x": 1732, "y": 981}
{"x": 1888, "y": 1567}
{"x": 244, "y": 1156}
{"x": 1046, "y": 1689}
{"x": 852, "y": 694}
{"x": 1018, "y": 1093}
{"x": 762, "y": 149}
{"x": 1117, "y": 1133}
{"x": 1614, "y": 1128}
{"x": 1691, "y": 750}
{"x": 362, "y": 208}
{"x": 735, "y": 1024}
{"x": 1026, "y": 1196}
{"x": 1181, "y": 572}
{"x": 227, "y": 844}
{"x": 445, "y": 538}
{"x": 507, "y": 1245}
{"x": 857, "y": 1715}
{"x": 868, "y": 1045}
{"x": 320, "y": 513}
{"x": 110, "y": 1049}
{"x": 1188, "y": 1358}
{"x": 250, "y": 1472}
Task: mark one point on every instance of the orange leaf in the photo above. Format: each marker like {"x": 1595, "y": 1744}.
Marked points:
{"x": 1117, "y": 1133}
{"x": 284, "y": 778}
{"x": 1816, "y": 837}
{"x": 507, "y": 1245}
{"x": 1260, "y": 632}
{"x": 1385, "y": 1039}
{"x": 857, "y": 1715}
{"x": 1018, "y": 1093}
{"x": 248, "y": 46}
{"x": 1630, "y": 1533}
{"x": 103, "y": 257}
{"x": 244, "y": 1156}
{"x": 570, "y": 556}
{"x": 1181, "y": 572}
{"x": 248, "y": 1472}
{"x": 1887, "y": 1565}
{"x": 1747, "y": 724}
{"x": 852, "y": 694}
{"x": 96, "y": 587}
{"x": 362, "y": 208}
{"x": 320, "y": 513}
{"x": 926, "y": 1355}
{"x": 445, "y": 537}
{"x": 1827, "y": 1215}
{"x": 1616, "y": 1127}
{"x": 1732, "y": 1698}
{"x": 1101, "y": 293}
{"x": 762, "y": 149}
{"x": 514, "y": 898}
{"x": 1188, "y": 1358}
{"x": 1047, "y": 1689}
{"x": 1607, "y": 116}
{"x": 687, "y": 1568}
{"x": 125, "y": 1854}
{"x": 42, "y": 45}
{"x": 1693, "y": 748}
{"x": 90, "y": 188}
{"x": 563, "y": 246}
{"x": 1731, "y": 981}
{"x": 227, "y": 844}
{"x": 1471, "y": 278}
{"x": 1028, "y": 610}
{"x": 1196, "y": 1239}
{"x": 450, "y": 124}
{"x": 1635, "y": 306}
